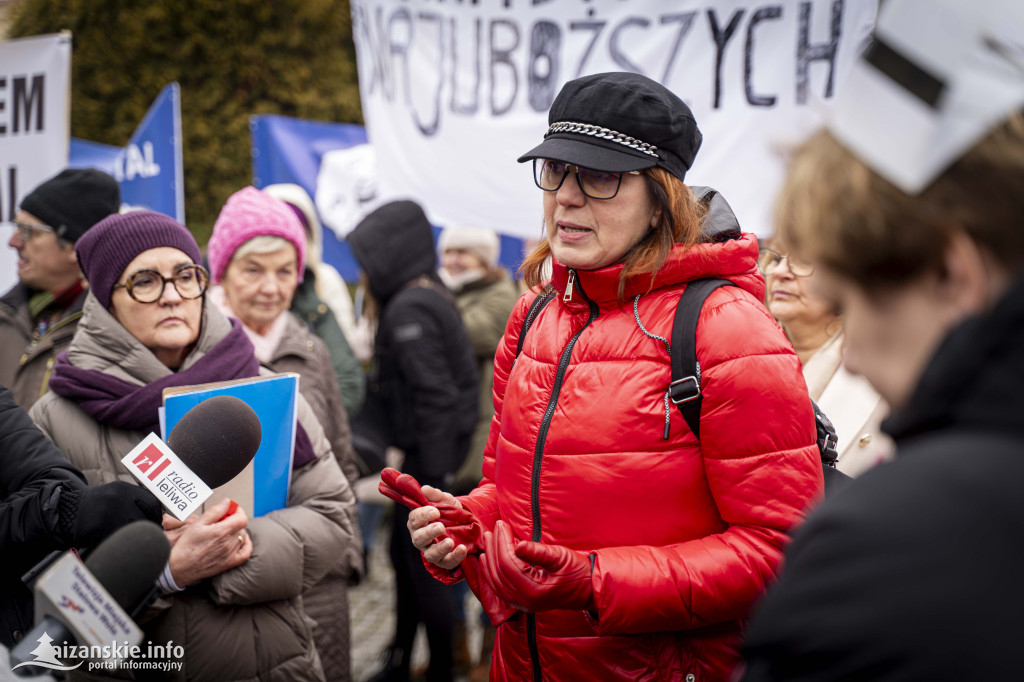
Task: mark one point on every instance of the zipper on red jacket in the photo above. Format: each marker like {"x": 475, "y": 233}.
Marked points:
{"x": 538, "y": 453}
{"x": 567, "y": 296}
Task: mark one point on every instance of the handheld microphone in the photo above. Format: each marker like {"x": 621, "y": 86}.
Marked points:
{"x": 124, "y": 568}
{"x": 217, "y": 438}
{"x": 212, "y": 443}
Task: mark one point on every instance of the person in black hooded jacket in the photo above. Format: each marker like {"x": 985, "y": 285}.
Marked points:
{"x": 913, "y": 571}
{"x": 421, "y": 397}
{"x": 45, "y": 505}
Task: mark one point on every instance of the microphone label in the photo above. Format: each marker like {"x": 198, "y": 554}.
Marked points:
{"x": 78, "y": 598}
{"x": 154, "y": 465}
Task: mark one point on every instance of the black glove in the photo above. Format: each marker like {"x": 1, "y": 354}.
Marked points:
{"x": 88, "y": 515}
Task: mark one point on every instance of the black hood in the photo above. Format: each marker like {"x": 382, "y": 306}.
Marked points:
{"x": 720, "y": 223}
{"x": 974, "y": 380}
{"x": 394, "y": 245}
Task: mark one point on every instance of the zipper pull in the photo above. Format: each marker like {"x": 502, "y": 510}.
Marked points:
{"x": 568, "y": 286}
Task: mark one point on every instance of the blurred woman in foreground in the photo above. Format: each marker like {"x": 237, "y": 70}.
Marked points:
{"x": 913, "y": 571}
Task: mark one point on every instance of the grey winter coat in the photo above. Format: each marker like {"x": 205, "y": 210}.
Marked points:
{"x": 246, "y": 623}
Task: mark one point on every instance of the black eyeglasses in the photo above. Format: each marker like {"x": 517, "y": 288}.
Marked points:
{"x": 768, "y": 259}
{"x": 549, "y": 176}
{"x": 147, "y": 286}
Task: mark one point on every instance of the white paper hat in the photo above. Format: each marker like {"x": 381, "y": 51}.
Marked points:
{"x": 938, "y": 75}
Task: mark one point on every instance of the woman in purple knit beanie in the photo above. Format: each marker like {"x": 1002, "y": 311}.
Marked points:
{"x": 146, "y": 327}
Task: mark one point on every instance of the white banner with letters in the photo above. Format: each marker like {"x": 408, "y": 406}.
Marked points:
{"x": 35, "y": 82}
{"x": 454, "y": 92}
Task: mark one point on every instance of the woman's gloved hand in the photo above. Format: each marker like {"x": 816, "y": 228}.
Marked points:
{"x": 460, "y": 524}
{"x": 534, "y": 576}
{"x": 456, "y": 544}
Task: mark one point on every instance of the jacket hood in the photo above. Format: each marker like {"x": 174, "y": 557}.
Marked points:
{"x": 393, "y": 245}
{"x": 298, "y": 197}
{"x": 973, "y": 381}
{"x": 733, "y": 259}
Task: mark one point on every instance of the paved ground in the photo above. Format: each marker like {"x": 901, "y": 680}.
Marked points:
{"x": 373, "y": 615}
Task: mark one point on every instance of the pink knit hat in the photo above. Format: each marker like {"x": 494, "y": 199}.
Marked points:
{"x": 251, "y": 213}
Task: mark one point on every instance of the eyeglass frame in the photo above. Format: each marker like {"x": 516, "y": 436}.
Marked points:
{"x": 28, "y": 231}
{"x": 173, "y": 279}
{"x": 579, "y": 180}
{"x": 789, "y": 263}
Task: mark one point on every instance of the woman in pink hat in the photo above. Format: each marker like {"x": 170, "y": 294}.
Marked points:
{"x": 257, "y": 257}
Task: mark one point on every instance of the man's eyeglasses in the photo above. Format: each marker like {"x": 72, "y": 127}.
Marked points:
{"x": 549, "y": 176}
{"x": 27, "y": 231}
{"x": 147, "y": 286}
{"x": 768, "y": 260}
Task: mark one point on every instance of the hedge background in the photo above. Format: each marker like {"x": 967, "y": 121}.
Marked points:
{"x": 232, "y": 58}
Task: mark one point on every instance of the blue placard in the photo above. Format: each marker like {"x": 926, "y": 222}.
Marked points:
{"x": 274, "y": 399}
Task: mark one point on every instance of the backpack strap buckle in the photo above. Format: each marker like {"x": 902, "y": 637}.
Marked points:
{"x": 684, "y": 390}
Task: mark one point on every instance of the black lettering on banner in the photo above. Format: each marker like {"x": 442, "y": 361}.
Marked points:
{"x": 503, "y": 56}
{"x": 430, "y": 129}
{"x": 374, "y": 53}
{"x": 402, "y": 50}
{"x": 685, "y": 20}
{"x": 3, "y": 104}
{"x": 597, "y": 27}
{"x": 12, "y": 192}
{"x": 721, "y": 40}
{"x": 613, "y": 43}
{"x": 468, "y": 108}
{"x": 909, "y": 75}
{"x": 762, "y": 14}
{"x": 807, "y": 53}
{"x": 542, "y": 78}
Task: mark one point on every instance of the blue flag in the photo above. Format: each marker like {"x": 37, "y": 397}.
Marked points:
{"x": 149, "y": 168}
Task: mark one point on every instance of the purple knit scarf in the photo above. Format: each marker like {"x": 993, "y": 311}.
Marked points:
{"x": 117, "y": 403}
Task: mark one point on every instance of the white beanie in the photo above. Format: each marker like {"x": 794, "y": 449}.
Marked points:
{"x": 479, "y": 241}
{"x": 295, "y": 195}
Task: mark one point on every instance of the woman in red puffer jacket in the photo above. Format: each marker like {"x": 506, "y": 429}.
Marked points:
{"x": 610, "y": 542}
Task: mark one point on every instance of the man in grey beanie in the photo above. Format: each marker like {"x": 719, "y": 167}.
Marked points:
{"x": 39, "y": 315}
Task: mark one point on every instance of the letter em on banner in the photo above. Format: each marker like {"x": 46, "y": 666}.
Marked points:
{"x": 35, "y": 83}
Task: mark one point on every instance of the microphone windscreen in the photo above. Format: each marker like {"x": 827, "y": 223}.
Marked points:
{"x": 217, "y": 438}
{"x": 129, "y": 561}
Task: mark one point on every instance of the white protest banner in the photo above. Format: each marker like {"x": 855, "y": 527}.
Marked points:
{"x": 35, "y": 82}
{"x": 452, "y": 93}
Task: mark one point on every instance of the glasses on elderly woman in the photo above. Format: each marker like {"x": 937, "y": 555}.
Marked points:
{"x": 549, "y": 176}
{"x": 147, "y": 286}
{"x": 768, "y": 259}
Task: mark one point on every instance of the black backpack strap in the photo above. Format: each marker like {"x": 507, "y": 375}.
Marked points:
{"x": 538, "y": 304}
{"x": 684, "y": 390}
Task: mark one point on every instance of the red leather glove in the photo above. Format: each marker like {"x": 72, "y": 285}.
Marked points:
{"x": 462, "y": 526}
{"x": 533, "y": 576}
